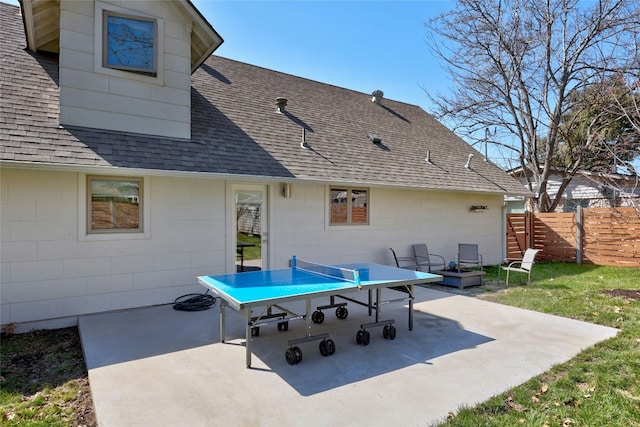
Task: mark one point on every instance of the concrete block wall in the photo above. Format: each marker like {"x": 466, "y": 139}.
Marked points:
{"x": 49, "y": 271}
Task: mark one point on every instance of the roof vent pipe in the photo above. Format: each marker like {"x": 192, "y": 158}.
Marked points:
{"x": 468, "y": 165}
{"x": 281, "y": 103}
{"x": 303, "y": 143}
{"x": 428, "y": 159}
{"x": 377, "y": 96}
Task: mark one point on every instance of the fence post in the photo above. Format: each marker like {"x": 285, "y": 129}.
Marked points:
{"x": 529, "y": 238}
{"x": 579, "y": 235}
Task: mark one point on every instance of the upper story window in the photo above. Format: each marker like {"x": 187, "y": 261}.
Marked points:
{"x": 348, "y": 206}
{"x": 130, "y": 43}
{"x": 114, "y": 205}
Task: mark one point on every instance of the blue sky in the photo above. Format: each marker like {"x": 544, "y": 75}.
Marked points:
{"x": 359, "y": 45}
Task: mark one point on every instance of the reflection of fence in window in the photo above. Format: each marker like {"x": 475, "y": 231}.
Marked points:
{"x": 348, "y": 206}
{"x": 359, "y": 214}
{"x": 339, "y": 211}
{"x": 109, "y": 212}
{"x": 248, "y": 219}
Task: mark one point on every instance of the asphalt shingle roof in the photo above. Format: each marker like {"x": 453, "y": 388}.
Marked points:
{"x": 237, "y": 130}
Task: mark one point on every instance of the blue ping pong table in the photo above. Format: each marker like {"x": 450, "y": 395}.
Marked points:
{"x": 270, "y": 289}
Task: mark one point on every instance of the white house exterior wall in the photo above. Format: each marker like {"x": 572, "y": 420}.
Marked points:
{"x": 51, "y": 271}
{"x": 48, "y": 272}
{"x": 398, "y": 218}
{"x": 116, "y": 100}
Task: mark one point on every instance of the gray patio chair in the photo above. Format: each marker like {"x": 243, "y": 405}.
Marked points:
{"x": 523, "y": 266}
{"x": 425, "y": 259}
{"x": 407, "y": 263}
{"x": 468, "y": 255}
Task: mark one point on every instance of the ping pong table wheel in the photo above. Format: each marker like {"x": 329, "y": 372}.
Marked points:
{"x": 290, "y": 356}
{"x": 283, "y": 326}
{"x": 363, "y": 337}
{"x": 392, "y": 332}
{"x": 389, "y": 331}
{"x": 317, "y": 317}
{"x": 331, "y": 346}
{"x": 342, "y": 313}
{"x": 255, "y": 331}
{"x": 293, "y": 355}
{"x": 327, "y": 347}
{"x": 366, "y": 338}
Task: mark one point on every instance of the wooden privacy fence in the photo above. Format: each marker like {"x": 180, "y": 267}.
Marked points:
{"x": 603, "y": 236}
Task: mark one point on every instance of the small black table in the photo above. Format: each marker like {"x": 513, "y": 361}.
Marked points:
{"x": 240, "y": 251}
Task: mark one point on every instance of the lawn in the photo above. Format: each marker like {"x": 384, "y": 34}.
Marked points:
{"x": 43, "y": 380}
{"x": 601, "y": 386}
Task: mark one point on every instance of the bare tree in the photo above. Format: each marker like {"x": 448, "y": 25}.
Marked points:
{"x": 514, "y": 65}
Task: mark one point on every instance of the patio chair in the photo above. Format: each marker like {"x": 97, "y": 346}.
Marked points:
{"x": 407, "y": 263}
{"x": 468, "y": 255}
{"x": 424, "y": 259}
{"x": 523, "y": 266}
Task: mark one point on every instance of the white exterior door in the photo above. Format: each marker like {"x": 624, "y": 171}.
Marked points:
{"x": 249, "y": 234}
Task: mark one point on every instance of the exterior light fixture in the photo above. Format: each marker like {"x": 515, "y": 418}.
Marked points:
{"x": 478, "y": 208}
{"x": 286, "y": 190}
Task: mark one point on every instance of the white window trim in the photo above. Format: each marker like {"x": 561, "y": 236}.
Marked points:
{"x": 83, "y": 229}
{"x": 98, "y": 47}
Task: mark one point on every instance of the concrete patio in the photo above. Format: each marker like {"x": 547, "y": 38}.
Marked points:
{"x": 161, "y": 367}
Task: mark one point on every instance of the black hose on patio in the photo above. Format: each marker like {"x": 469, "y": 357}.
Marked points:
{"x": 194, "y": 302}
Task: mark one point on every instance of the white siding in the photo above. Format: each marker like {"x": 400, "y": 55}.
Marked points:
{"x": 110, "y": 99}
{"x": 398, "y": 218}
{"x": 50, "y": 270}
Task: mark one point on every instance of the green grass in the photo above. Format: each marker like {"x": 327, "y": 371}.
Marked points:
{"x": 599, "y": 387}
{"x": 43, "y": 380}
{"x": 251, "y": 252}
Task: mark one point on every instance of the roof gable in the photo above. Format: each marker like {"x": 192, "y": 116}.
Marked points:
{"x": 41, "y": 20}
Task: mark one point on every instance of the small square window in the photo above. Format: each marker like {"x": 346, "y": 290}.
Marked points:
{"x": 348, "y": 206}
{"x": 130, "y": 43}
{"x": 114, "y": 205}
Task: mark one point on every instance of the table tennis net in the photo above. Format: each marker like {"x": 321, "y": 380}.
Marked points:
{"x": 327, "y": 270}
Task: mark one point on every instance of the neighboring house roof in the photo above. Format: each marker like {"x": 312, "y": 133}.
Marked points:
{"x": 587, "y": 184}
{"x": 41, "y": 20}
{"x": 559, "y": 171}
{"x": 236, "y": 130}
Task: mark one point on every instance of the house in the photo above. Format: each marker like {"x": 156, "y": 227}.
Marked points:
{"x": 126, "y": 148}
{"x": 587, "y": 190}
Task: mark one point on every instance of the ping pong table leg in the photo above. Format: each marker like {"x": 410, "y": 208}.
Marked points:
{"x": 248, "y": 336}
{"x": 410, "y": 287}
{"x": 222, "y": 322}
